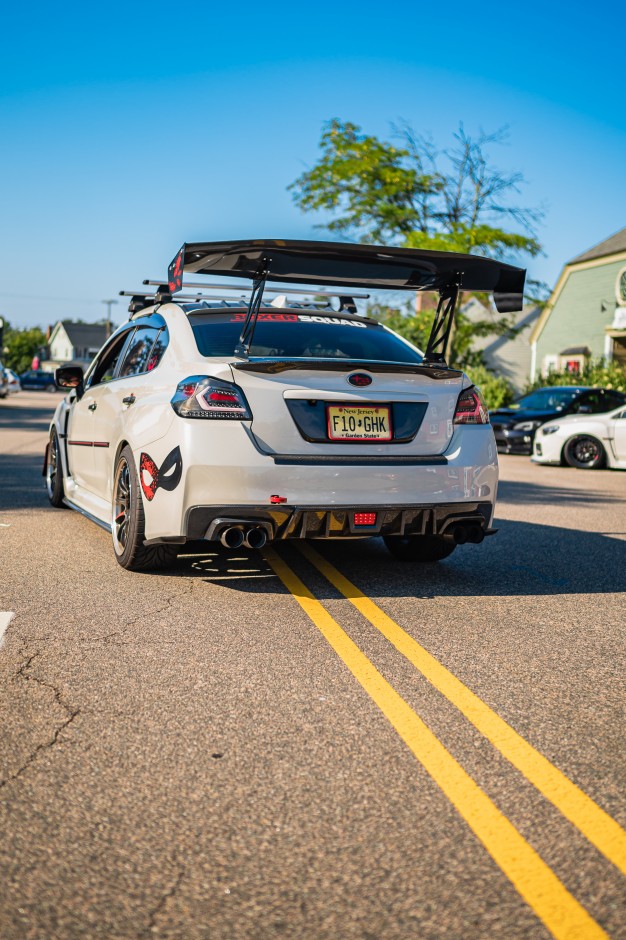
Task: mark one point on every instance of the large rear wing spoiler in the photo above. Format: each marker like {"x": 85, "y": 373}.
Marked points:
{"x": 347, "y": 266}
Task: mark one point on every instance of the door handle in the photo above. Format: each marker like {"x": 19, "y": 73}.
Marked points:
{"x": 129, "y": 400}
{"x": 93, "y": 406}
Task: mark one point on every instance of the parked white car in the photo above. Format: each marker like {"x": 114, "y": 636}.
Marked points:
{"x": 247, "y": 421}
{"x": 13, "y": 382}
{"x": 588, "y": 442}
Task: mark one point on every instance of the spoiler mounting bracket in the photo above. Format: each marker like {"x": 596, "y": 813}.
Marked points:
{"x": 437, "y": 346}
{"x": 254, "y": 306}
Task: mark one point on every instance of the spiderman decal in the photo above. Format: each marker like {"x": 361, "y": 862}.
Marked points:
{"x": 175, "y": 272}
{"x": 167, "y": 477}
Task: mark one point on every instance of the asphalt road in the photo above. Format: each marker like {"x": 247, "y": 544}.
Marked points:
{"x": 236, "y": 749}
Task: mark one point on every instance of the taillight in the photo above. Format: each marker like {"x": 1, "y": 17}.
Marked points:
{"x": 471, "y": 408}
{"x": 201, "y": 396}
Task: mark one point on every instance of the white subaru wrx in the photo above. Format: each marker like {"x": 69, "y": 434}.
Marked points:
{"x": 249, "y": 420}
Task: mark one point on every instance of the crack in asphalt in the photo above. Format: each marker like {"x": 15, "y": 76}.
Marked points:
{"x": 152, "y": 928}
{"x": 23, "y": 673}
{"x": 107, "y": 637}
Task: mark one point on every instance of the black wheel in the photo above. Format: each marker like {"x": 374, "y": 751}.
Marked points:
{"x": 54, "y": 472}
{"x": 127, "y": 523}
{"x": 585, "y": 452}
{"x": 422, "y": 548}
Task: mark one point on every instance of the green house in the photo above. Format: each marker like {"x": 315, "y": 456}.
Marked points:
{"x": 586, "y": 314}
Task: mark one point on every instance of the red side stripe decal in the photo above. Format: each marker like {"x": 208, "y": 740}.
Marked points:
{"x": 89, "y": 443}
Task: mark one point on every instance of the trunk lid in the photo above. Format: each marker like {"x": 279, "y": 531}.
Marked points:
{"x": 298, "y": 407}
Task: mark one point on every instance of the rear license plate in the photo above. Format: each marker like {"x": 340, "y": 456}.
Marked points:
{"x": 357, "y": 423}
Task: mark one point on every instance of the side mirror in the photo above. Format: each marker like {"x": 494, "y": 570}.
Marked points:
{"x": 70, "y": 377}
{"x": 585, "y": 410}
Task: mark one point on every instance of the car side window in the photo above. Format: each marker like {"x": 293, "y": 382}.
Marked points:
{"x": 591, "y": 403}
{"x": 613, "y": 400}
{"x": 599, "y": 402}
{"x": 106, "y": 362}
{"x": 139, "y": 356}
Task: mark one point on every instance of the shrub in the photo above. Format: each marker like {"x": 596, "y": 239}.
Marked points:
{"x": 496, "y": 390}
{"x": 597, "y": 373}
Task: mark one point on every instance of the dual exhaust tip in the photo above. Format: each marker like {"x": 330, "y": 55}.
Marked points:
{"x": 235, "y": 536}
{"x": 462, "y": 533}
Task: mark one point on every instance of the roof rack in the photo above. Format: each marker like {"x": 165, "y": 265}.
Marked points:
{"x": 272, "y": 290}
{"x": 141, "y": 301}
{"x": 163, "y": 295}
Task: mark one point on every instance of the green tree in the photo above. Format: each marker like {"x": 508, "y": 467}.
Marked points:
{"x": 497, "y": 391}
{"x": 453, "y": 199}
{"x": 20, "y": 346}
{"x": 416, "y": 328}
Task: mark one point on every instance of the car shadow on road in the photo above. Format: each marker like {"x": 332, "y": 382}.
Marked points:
{"x": 515, "y": 491}
{"x": 213, "y": 563}
{"x": 523, "y": 559}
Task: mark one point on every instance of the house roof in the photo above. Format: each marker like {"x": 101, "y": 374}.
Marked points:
{"x": 85, "y": 335}
{"x": 474, "y": 310}
{"x": 610, "y": 246}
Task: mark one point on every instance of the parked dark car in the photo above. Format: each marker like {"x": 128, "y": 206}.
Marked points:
{"x": 38, "y": 380}
{"x": 515, "y": 427}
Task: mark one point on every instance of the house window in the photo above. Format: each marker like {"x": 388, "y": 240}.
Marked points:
{"x": 550, "y": 364}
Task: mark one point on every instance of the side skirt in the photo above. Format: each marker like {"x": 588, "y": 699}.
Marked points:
{"x": 88, "y": 515}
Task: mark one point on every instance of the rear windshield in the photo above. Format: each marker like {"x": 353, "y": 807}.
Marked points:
{"x": 301, "y": 335}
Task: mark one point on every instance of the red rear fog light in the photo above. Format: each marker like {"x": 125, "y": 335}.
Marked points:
{"x": 224, "y": 396}
{"x": 365, "y": 518}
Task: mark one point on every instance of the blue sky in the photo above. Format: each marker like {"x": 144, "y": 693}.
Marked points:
{"x": 129, "y": 129}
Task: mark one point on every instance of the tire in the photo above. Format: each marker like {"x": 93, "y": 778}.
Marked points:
{"x": 421, "y": 548}
{"x": 54, "y": 472}
{"x": 128, "y": 522}
{"x": 584, "y": 452}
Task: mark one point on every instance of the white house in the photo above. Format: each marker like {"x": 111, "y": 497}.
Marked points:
{"x": 74, "y": 342}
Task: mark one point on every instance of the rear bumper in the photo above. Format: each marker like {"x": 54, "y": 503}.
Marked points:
{"x": 323, "y": 522}
{"x": 225, "y": 476}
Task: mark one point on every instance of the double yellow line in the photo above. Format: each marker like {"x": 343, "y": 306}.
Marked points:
{"x": 541, "y": 889}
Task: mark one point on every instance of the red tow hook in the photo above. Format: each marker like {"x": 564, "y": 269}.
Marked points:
{"x": 278, "y": 499}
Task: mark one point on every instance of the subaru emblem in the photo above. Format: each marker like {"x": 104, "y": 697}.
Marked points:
{"x": 360, "y": 379}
